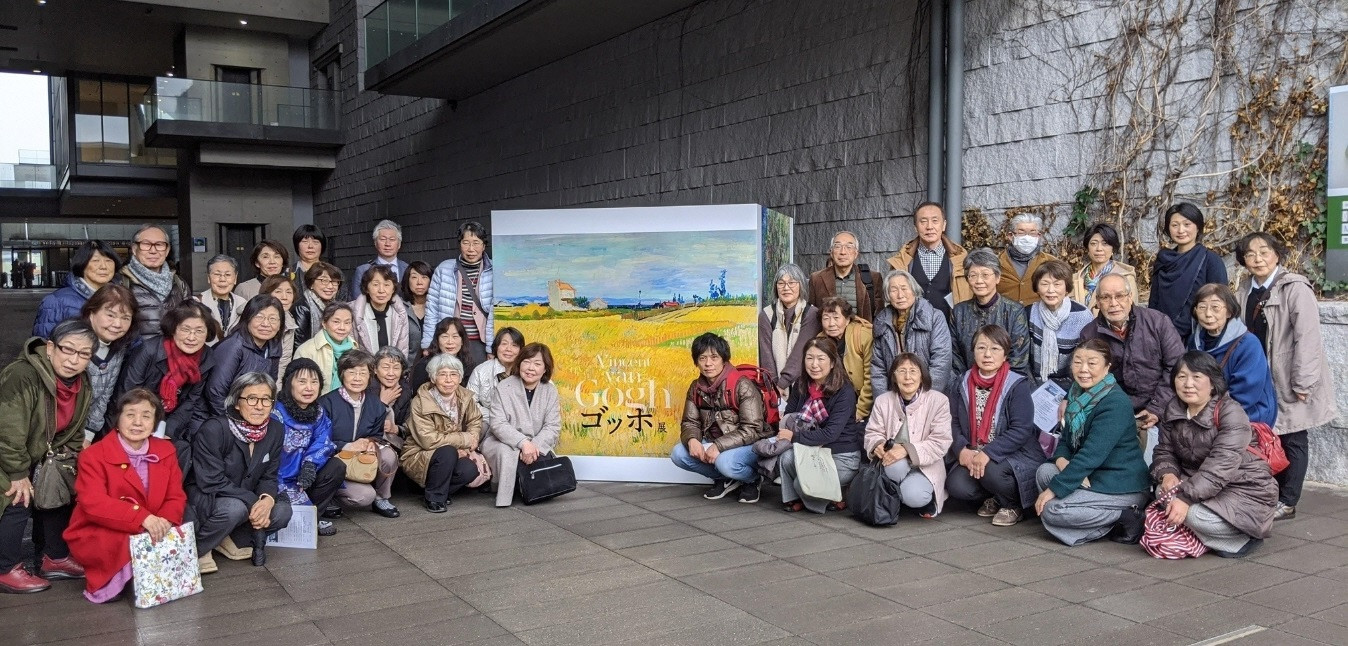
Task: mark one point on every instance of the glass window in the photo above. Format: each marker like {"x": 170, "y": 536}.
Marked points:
{"x": 108, "y": 128}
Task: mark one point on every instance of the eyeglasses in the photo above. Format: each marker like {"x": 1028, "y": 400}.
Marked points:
{"x": 385, "y": 239}
{"x": 222, "y": 274}
{"x": 254, "y": 400}
{"x": 471, "y": 244}
{"x": 787, "y": 284}
{"x": 1112, "y": 298}
{"x": 74, "y": 352}
{"x": 850, "y": 246}
{"x": 152, "y": 246}
{"x": 192, "y": 331}
{"x": 326, "y": 280}
{"x": 270, "y": 320}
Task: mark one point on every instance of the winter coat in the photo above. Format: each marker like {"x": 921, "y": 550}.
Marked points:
{"x": 515, "y": 419}
{"x": 234, "y": 356}
{"x": 725, "y": 425}
{"x": 824, "y": 285}
{"x": 303, "y": 316}
{"x": 1144, "y": 358}
{"x": 442, "y": 301}
{"x": 959, "y": 285}
{"x": 1215, "y": 466}
{"x": 1069, "y": 335}
{"x": 1080, "y": 295}
{"x": 64, "y": 303}
{"x": 841, "y": 432}
{"x": 1176, "y": 300}
{"x": 345, "y": 427}
{"x": 1109, "y": 454}
{"x": 857, "y": 348}
{"x": 1015, "y": 437}
{"x": 1020, "y": 287}
{"x": 929, "y": 433}
{"x": 223, "y": 466}
{"x": 414, "y": 326}
{"x": 149, "y": 308}
{"x": 366, "y": 329}
{"x": 1296, "y": 353}
{"x": 483, "y": 383}
{"x": 145, "y": 368}
{"x": 320, "y": 351}
{"x": 785, "y": 375}
{"x": 1006, "y": 313}
{"x": 297, "y": 449}
{"x": 1245, "y": 367}
{"x": 111, "y": 504}
{"x": 359, "y": 275}
{"x": 236, "y": 305}
{"x": 28, "y": 414}
{"x": 927, "y": 335}
{"x": 429, "y": 428}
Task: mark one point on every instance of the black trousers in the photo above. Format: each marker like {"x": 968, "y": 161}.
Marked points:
{"x": 48, "y": 525}
{"x": 998, "y": 481}
{"x": 447, "y": 474}
{"x": 326, "y": 483}
{"x": 1297, "y": 447}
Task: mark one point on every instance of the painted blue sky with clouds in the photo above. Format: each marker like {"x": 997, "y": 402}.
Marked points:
{"x": 616, "y": 265}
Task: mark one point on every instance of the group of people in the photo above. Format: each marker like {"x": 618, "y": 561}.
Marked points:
{"x": 138, "y": 405}
{"x": 933, "y": 370}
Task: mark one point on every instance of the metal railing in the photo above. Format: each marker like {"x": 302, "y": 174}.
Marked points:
{"x": 182, "y": 99}
{"x": 395, "y": 24}
{"x": 31, "y": 176}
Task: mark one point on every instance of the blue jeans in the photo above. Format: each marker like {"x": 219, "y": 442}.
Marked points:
{"x": 739, "y": 463}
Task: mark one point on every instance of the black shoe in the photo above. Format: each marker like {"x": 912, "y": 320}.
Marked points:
{"x": 437, "y": 507}
{"x": 259, "y": 548}
{"x": 721, "y": 488}
{"x": 385, "y": 508}
{"x": 1128, "y": 529}
{"x": 1250, "y": 546}
{"x": 326, "y": 528}
{"x": 332, "y": 512}
{"x": 749, "y": 491}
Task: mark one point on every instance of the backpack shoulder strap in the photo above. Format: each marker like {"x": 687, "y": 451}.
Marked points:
{"x": 866, "y": 277}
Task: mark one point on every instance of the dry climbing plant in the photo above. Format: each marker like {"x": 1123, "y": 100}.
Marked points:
{"x": 1218, "y": 103}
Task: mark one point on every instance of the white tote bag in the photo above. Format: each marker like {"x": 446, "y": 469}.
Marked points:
{"x": 816, "y": 474}
{"x": 166, "y": 570}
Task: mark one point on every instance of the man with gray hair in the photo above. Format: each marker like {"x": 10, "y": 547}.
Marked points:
{"x": 156, "y": 287}
{"x": 845, "y": 278}
{"x": 388, "y": 239}
{"x": 1023, "y": 255}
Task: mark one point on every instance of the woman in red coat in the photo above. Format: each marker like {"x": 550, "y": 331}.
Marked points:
{"x": 127, "y": 482}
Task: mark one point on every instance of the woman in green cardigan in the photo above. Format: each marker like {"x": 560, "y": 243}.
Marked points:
{"x": 1096, "y": 484}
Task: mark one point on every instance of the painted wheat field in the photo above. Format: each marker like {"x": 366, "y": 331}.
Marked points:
{"x": 622, "y": 381}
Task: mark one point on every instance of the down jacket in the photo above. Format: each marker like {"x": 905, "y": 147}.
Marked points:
{"x": 62, "y": 304}
{"x": 27, "y": 395}
{"x": 443, "y": 299}
{"x": 927, "y": 335}
{"x": 145, "y": 368}
{"x": 718, "y": 422}
{"x": 234, "y": 356}
{"x": 148, "y": 306}
{"x": 428, "y": 429}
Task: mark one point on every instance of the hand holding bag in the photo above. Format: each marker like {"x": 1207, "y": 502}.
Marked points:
{"x": 816, "y": 474}
{"x": 1165, "y": 541}
{"x": 548, "y": 477}
{"x": 361, "y": 466}
{"x": 166, "y": 570}
{"x": 873, "y": 498}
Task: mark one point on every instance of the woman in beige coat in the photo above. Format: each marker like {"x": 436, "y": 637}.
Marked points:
{"x": 1279, "y": 308}
{"x": 1102, "y": 245}
{"x": 443, "y": 430}
{"x": 526, "y": 419}
{"x": 909, "y": 432}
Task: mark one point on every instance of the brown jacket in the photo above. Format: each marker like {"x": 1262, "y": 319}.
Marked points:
{"x": 858, "y": 342}
{"x": 720, "y": 423}
{"x": 1296, "y": 352}
{"x": 1215, "y": 466}
{"x": 823, "y": 285}
{"x": 1021, "y": 288}
{"x": 959, "y": 287}
{"x": 428, "y": 428}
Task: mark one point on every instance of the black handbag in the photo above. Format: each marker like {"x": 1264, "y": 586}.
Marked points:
{"x": 874, "y": 498}
{"x": 548, "y": 477}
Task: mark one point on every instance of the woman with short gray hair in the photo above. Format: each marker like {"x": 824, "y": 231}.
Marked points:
{"x": 909, "y": 323}
{"x": 222, "y": 276}
{"x": 987, "y": 307}
{"x": 785, "y": 326}
{"x": 443, "y": 433}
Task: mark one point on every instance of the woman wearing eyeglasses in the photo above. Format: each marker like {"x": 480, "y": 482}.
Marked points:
{"x": 176, "y": 366}
{"x": 44, "y": 400}
{"x": 152, "y": 280}
{"x": 784, "y": 327}
{"x": 253, "y": 346}
{"x": 322, "y": 285}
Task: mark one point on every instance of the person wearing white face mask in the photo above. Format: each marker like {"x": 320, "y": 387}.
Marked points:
{"x": 1022, "y": 257}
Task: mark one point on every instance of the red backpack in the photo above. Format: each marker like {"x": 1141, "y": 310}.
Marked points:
{"x": 765, "y": 386}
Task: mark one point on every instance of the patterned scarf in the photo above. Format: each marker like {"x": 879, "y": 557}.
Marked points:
{"x": 246, "y": 432}
{"x": 980, "y": 421}
{"x": 1093, "y": 279}
{"x": 183, "y": 369}
{"x": 1048, "y": 347}
{"x": 814, "y": 412}
{"x": 160, "y": 282}
{"x": 448, "y": 405}
{"x": 1080, "y": 404}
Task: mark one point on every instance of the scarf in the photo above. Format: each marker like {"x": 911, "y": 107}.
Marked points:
{"x": 82, "y": 287}
{"x": 183, "y": 369}
{"x": 140, "y": 460}
{"x": 1048, "y": 347}
{"x": 66, "y": 393}
{"x": 338, "y": 349}
{"x": 160, "y": 282}
{"x": 785, "y": 330}
{"x": 901, "y": 327}
{"x": 246, "y": 432}
{"x": 294, "y": 413}
{"x": 980, "y": 426}
{"x": 1176, "y": 278}
{"x": 1022, "y": 260}
{"x": 1080, "y": 404}
{"x": 1092, "y": 280}
{"x": 706, "y": 393}
{"x": 814, "y": 412}
{"x": 448, "y": 405}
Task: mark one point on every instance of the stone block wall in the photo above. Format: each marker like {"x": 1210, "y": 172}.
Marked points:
{"x": 1329, "y": 444}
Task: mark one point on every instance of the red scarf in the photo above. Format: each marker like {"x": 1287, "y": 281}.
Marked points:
{"x": 183, "y": 369}
{"x": 980, "y": 429}
{"x": 65, "y": 402}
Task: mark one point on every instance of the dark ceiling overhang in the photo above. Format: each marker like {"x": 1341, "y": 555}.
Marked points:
{"x": 497, "y": 40}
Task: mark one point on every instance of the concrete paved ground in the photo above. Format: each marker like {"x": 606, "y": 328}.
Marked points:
{"x": 657, "y": 564}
